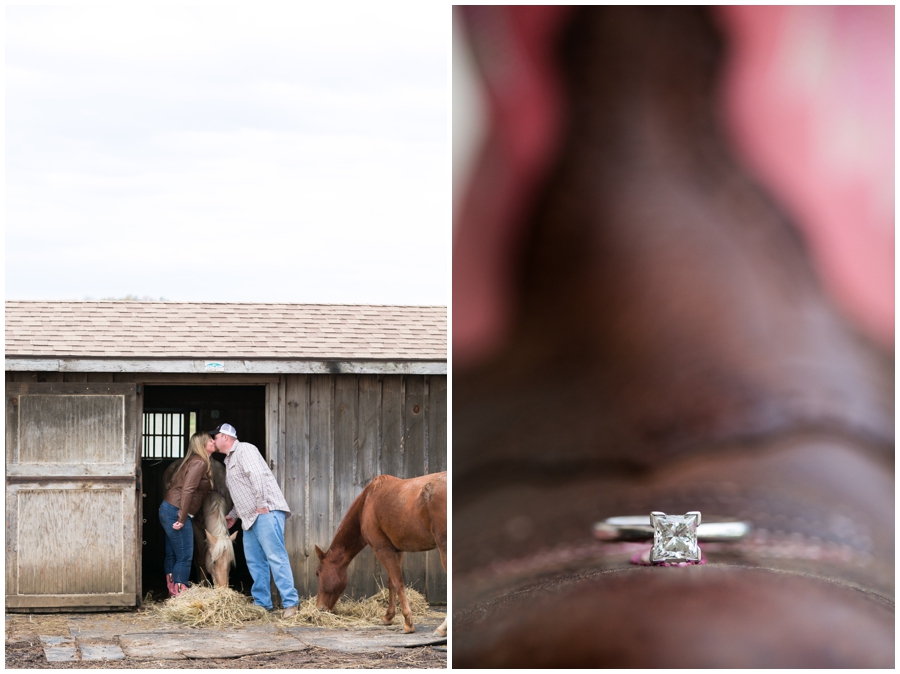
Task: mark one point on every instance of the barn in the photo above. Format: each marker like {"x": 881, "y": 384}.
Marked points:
{"x": 101, "y": 396}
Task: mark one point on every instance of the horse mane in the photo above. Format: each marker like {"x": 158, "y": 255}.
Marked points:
{"x": 349, "y": 532}
{"x": 214, "y": 522}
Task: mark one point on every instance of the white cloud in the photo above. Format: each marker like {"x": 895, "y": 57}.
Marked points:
{"x": 310, "y": 146}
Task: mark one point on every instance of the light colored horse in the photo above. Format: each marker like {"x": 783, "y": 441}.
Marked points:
{"x": 213, "y": 547}
{"x": 217, "y": 548}
{"x": 393, "y": 516}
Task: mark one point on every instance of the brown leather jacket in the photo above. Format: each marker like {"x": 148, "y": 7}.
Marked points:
{"x": 190, "y": 487}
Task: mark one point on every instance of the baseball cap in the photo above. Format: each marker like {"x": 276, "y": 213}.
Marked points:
{"x": 227, "y": 429}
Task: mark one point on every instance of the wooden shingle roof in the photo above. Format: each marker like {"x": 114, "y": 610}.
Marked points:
{"x": 197, "y": 330}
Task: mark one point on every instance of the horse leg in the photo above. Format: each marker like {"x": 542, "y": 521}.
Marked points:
{"x": 388, "y": 617}
{"x": 391, "y": 560}
{"x": 442, "y": 548}
{"x": 401, "y": 591}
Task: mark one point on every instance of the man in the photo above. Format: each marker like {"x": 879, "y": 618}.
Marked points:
{"x": 262, "y": 509}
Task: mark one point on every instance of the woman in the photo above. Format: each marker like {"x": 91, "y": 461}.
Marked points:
{"x": 183, "y": 499}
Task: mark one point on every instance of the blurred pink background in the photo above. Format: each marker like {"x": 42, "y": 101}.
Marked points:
{"x": 808, "y": 101}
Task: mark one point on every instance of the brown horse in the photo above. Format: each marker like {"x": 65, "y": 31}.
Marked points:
{"x": 393, "y": 516}
{"x": 213, "y": 547}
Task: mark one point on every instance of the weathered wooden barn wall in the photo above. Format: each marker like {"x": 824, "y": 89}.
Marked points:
{"x": 74, "y": 377}
{"x": 329, "y": 435}
{"x": 340, "y": 432}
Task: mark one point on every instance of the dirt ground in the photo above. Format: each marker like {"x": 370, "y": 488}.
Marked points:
{"x": 24, "y": 650}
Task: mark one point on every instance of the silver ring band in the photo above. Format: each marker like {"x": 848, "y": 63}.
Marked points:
{"x": 638, "y": 528}
{"x": 675, "y": 537}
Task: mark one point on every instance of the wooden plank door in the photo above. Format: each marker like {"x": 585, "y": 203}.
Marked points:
{"x": 72, "y": 496}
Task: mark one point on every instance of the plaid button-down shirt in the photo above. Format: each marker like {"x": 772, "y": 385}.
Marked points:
{"x": 251, "y": 484}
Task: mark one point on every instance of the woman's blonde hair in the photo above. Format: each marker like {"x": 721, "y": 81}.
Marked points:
{"x": 198, "y": 446}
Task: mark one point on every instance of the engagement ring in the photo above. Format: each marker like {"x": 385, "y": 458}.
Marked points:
{"x": 675, "y": 537}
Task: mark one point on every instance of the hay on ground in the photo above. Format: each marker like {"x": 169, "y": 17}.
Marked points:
{"x": 205, "y": 606}
{"x": 367, "y": 612}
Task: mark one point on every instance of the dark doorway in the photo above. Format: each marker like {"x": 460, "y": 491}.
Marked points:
{"x": 171, "y": 415}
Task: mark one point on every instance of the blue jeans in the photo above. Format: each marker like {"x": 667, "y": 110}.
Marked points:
{"x": 179, "y": 544}
{"x": 265, "y": 553}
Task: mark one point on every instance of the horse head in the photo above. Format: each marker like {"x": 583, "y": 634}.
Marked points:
{"x": 332, "y": 575}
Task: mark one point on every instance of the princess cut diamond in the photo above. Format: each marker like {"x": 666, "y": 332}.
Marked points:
{"x": 675, "y": 537}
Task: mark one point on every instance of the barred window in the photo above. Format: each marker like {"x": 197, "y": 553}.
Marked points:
{"x": 167, "y": 433}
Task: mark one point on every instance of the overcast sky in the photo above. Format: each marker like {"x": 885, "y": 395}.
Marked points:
{"x": 229, "y": 153}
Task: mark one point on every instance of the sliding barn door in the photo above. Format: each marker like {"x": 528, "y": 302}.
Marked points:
{"x": 72, "y": 496}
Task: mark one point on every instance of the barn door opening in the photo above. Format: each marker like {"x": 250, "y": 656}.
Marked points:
{"x": 72, "y": 487}
{"x": 171, "y": 415}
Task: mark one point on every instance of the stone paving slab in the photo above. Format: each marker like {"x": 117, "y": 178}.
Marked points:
{"x": 194, "y": 644}
{"x": 367, "y": 641}
{"x": 60, "y": 649}
{"x": 118, "y": 637}
{"x": 100, "y": 651}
